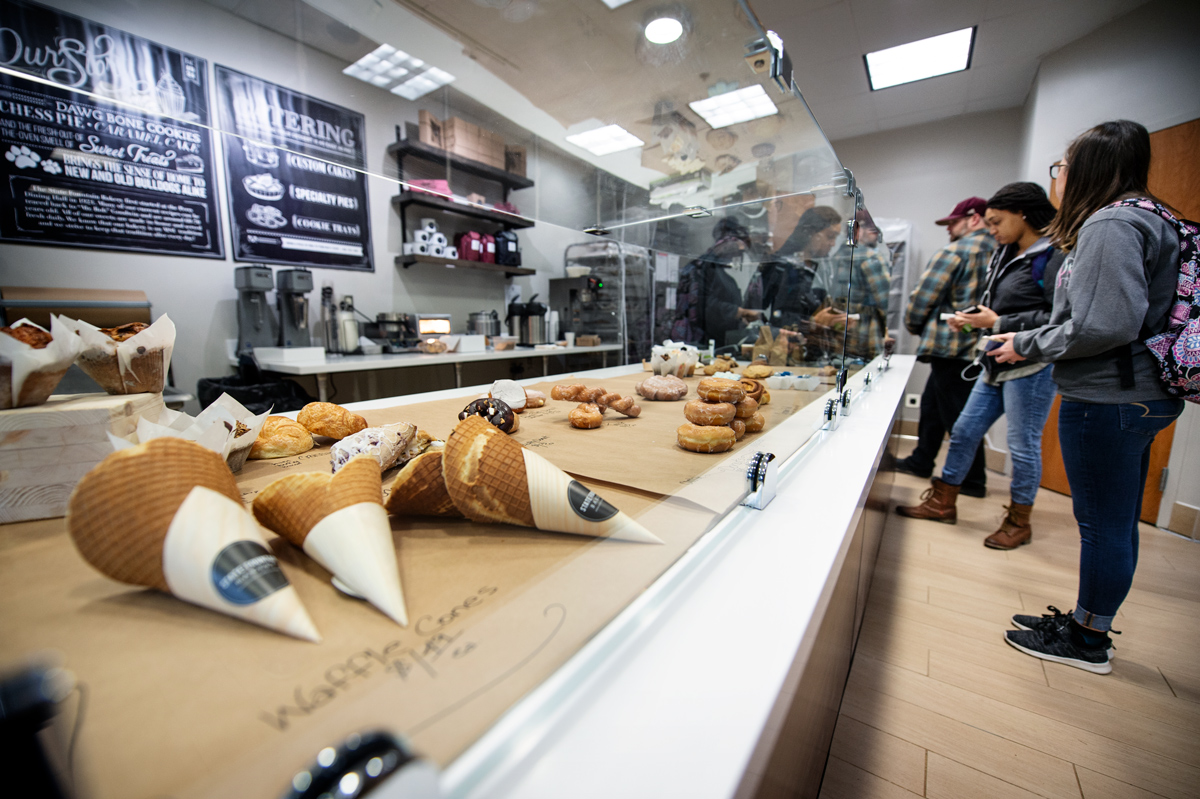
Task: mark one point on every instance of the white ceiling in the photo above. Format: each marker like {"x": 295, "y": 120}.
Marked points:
{"x": 549, "y": 64}
{"x": 827, "y": 40}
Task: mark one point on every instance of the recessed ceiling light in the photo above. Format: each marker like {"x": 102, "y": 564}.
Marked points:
{"x": 927, "y": 58}
{"x": 730, "y": 108}
{"x": 615, "y": 3}
{"x": 605, "y": 140}
{"x": 664, "y": 30}
{"x": 398, "y": 72}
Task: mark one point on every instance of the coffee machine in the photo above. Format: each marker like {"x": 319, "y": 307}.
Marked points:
{"x": 256, "y": 321}
{"x": 291, "y": 286}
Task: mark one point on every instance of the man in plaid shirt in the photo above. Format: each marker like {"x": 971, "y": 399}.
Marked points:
{"x": 952, "y": 281}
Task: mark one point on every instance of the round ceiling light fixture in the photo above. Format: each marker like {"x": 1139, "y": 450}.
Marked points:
{"x": 664, "y": 30}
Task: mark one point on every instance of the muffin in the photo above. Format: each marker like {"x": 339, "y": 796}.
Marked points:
{"x": 32, "y": 362}
{"x": 128, "y": 359}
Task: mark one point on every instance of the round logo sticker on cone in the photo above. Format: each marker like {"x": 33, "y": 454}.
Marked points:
{"x": 588, "y": 504}
{"x": 245, "y": 572}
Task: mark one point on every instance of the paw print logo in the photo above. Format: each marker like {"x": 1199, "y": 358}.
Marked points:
{"x": 22, "y": 156}
{"x": 52, "y": 167}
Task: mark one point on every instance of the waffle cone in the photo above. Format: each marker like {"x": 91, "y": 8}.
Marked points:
{"x": 358, "y": 481}
{"x": 420, "y": 490}
{"x": 291, "y": 506}
{"x": 119, "y": 513}
{"x": 484, "y": 471}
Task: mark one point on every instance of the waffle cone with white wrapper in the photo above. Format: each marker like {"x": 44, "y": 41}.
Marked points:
{"x": 340, "y": 522}
{"x": 492, "y": 478}
{"x": 420, "y": 490}
{"x": 168, "y": 514}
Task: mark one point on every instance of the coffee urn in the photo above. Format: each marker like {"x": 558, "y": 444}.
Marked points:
{"x": 291, "y": 286}
{"x": 527, "y": 322}
{"x": 256, "y": 320}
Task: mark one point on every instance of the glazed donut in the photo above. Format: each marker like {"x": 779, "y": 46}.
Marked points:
{"x": 577, "y": 393}
{"x": 709, "y": 413}
{"x": 746, "y": 408}
{"x": 705, "y": 438}
{"x": 662, "y": 387}
{"x": 624, "y": 405}
{"x": 586, "y": 416}
{"x": 739, "y": 429}
{"x": 753, "y": 388}
{"x": 718, "y": 389}
{"x": 755, "y": 423}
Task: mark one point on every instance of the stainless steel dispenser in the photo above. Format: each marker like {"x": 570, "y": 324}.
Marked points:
{"x": 291, "y": 286}
{"x": 256, "y": 321}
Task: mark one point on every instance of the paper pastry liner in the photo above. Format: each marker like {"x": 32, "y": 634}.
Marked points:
{"x": 340, "y": 523}
{"x": 138, "y": 364}
{"x": 167, "y": 514}
{"x": 492, "y": 478}
{"x": 28, "y": 376}
{"x": 215, "y": 429}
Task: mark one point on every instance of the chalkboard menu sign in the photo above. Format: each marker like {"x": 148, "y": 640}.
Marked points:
{"x": 295, "y": 195}
{"x": 105, "y": 147}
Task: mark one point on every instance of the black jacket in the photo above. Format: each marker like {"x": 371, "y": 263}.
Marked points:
{"x": 1012, "y": 290}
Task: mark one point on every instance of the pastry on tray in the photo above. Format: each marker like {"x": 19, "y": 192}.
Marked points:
{"x": 168, "y": 515}
{"x": 667, "y": 388}
{"x": 340, "y": 522}
{"x": 130, "y": 358}
{"x": 329, "y": 420}
{"x": 280, "y": 437}
{"x": 492, "y": 478}
{"x": 33, "y": 361}
{"x": 389, "y": 445}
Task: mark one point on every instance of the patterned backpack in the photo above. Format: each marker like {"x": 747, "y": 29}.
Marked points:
{"x": 1178, "y": 347}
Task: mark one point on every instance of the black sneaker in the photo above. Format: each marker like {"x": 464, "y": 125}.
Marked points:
{"x": 1057, "y": 645}
{"x": 1056, "y": 620}
{"x": 905, "y": 466}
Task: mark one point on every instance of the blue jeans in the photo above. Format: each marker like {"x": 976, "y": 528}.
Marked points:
{"x": 1106, "y": 449}
{"x": 1026, "y": 401}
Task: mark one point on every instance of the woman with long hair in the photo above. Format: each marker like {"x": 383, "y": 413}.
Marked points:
{"x": 1115, "y": 288}
{"x": 1019, "y": 295}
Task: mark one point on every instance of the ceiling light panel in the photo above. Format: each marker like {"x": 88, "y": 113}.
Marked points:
{"x": 609, "y": 139}
{"x": 615, "y": 3}
{"x": 927, "y": 58}
{"x": 730, "y": 108}
{"x": 398, "y": 72}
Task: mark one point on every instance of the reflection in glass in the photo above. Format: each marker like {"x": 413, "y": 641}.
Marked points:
{"x": 863, "y": 300}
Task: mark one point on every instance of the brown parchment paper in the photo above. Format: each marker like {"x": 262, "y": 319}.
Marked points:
{"x": 190, "y": 703}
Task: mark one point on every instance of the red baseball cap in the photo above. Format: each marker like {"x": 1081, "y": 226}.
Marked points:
{"x": 968, "y": 207}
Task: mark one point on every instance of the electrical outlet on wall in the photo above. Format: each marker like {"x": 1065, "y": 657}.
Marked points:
{"x": 912, "y": 400}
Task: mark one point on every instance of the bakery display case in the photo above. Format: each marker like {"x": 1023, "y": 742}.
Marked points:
{"x": 539, "y": 554}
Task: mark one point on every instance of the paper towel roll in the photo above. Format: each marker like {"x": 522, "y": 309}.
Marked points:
{"x": 421, "y": 236}
{"x": 450, "y": 252}
{"x": 429, "y": 224}
{"x": 437, "y": 251}
{"x": 416, "y": 248}
{"x": 439, "y": 239}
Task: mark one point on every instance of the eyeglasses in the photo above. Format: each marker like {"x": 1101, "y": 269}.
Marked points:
{"x": 1056, "y": 170}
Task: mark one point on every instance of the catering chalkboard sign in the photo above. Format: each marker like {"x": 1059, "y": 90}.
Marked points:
{"x": 296, "y": 192}
{"x": 105, "y": 145}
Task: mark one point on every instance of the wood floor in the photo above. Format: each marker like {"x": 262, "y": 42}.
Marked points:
{"x": 938, "y": 705}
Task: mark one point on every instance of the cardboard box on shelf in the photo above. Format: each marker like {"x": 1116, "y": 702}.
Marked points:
{"x": 587, "y": 340}
{"x": 430, "y": 129}
{"x": 462, "y": 139}
{"x": 514, "y": 159}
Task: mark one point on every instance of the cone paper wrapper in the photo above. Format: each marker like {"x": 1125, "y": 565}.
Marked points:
{"x": 56, "y": 356}
{"x": 355, "y": 543}
{"x": 215, "y": 556}
{"x": 158, "y": 336}
{"x": 564, "y": 505}
{"x": 213, "y": 429}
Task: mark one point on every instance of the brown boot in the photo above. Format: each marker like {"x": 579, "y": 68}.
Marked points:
{"x": 937, "y": 504}
{"x": 1014, "y": 530}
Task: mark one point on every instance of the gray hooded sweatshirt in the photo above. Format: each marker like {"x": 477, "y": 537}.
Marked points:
{"x": 1115, "y": 288}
